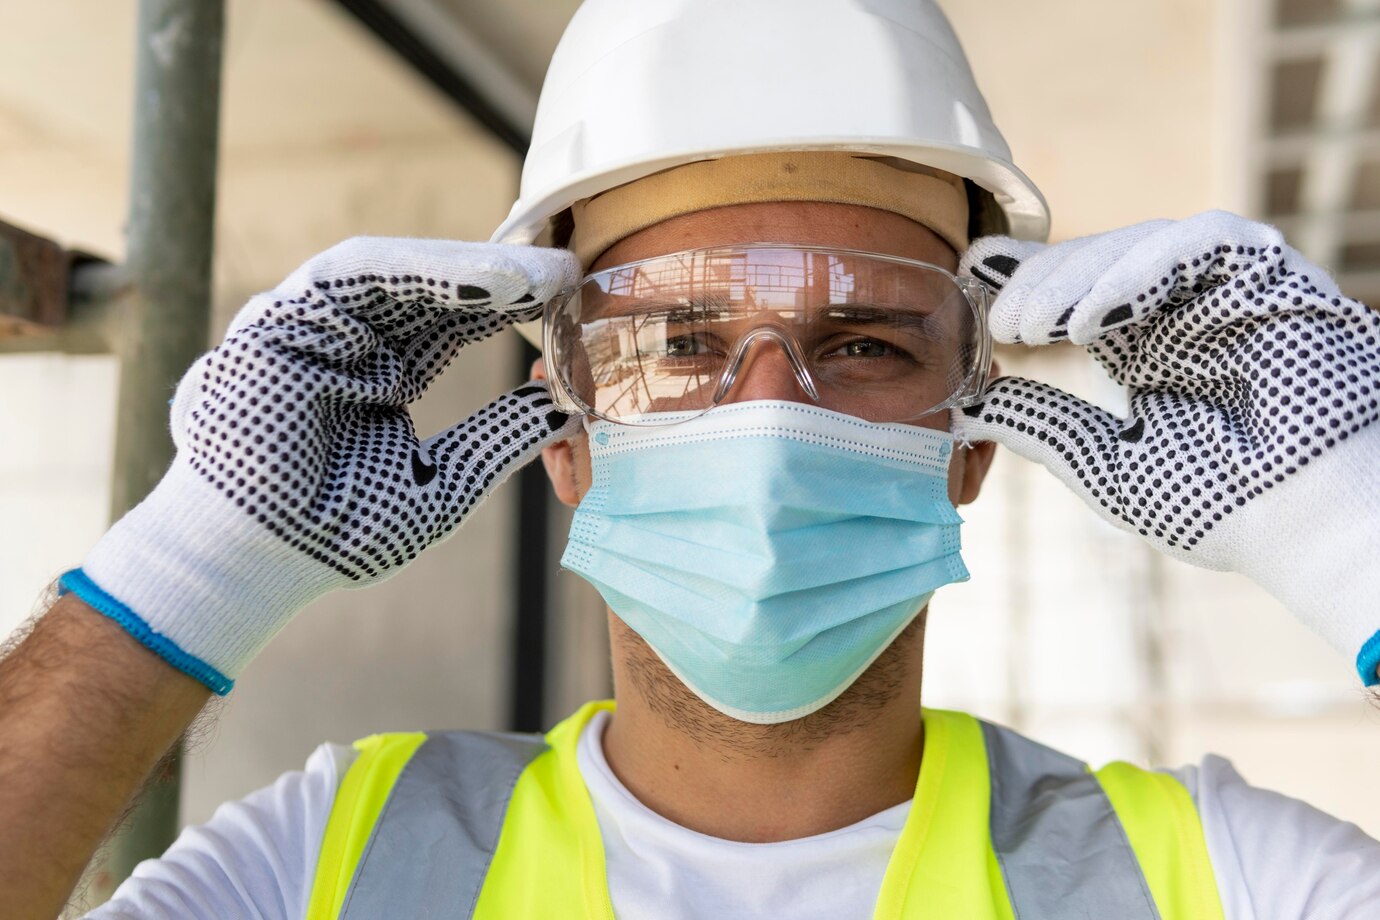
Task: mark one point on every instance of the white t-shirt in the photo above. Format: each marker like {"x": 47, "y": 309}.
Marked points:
{"x": 1274, "y": 858}
{"x": 659, "y": 869}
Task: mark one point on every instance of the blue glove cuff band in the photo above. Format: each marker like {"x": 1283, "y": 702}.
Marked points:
{"x": 76, "y": 582}
{"x": 1368, "y": 660}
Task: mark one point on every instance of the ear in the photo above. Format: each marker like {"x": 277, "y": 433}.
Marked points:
{"x": 977, "y": 462}
{"x": 558, "y": 457}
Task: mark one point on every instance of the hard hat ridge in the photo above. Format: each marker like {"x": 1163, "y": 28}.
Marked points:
{"x": 639, "y": 86}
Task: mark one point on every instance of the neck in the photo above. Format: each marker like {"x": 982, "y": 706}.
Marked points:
{"x": 762, "y": 783}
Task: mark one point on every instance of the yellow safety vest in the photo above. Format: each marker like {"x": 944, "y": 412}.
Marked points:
{"x": 500, "y": 827}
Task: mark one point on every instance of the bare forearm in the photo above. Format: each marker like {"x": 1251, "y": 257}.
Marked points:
{"x": 85, "y": 714}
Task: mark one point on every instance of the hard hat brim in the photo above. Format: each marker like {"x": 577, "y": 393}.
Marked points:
{"x": 1022, "y": 205}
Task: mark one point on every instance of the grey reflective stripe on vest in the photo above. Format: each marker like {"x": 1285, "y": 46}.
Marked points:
{"x": 1062, "y": 849}
{"x": 433, "y": 842}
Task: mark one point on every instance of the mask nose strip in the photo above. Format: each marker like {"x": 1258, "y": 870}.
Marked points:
{"x": 793, "y": 354}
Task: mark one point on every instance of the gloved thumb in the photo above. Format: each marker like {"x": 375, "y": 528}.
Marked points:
{"x": 1073, "y": 439}
{"x": 471, "y": 459}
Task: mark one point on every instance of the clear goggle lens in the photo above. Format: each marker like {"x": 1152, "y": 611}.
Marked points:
{"x": 880, "y": 337}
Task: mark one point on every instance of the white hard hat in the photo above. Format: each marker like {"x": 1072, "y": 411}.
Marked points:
{"x": 638, "y": 86}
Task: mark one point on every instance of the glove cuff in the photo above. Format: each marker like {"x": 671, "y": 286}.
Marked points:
{"x": 79, "y": 583}
{"x": 1315, "y": 546}
{"x": 204, "y": 591}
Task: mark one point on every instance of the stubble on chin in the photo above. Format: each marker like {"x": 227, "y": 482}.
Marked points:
{"x": 681, "y": 710}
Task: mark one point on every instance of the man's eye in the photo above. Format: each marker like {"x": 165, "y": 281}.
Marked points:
{"x": 684, "y": 346}
{"x": 865, "y": 348}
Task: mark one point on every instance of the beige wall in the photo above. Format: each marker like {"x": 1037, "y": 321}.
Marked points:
{"x": 1112, "y": 108}
{"x": 1069, "y": 628}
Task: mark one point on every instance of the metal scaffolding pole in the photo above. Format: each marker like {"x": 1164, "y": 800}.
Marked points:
{"x": 166, "y": 323}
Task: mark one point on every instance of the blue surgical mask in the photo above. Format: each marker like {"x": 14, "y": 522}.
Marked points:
{"x": 767, "y": 551}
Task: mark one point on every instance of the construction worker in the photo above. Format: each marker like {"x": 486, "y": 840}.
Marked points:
{"x": 767, "y": 234}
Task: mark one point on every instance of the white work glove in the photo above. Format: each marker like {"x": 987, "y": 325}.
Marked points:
{"x": 298, "y": 470}
{"x": 1252, "y": 443}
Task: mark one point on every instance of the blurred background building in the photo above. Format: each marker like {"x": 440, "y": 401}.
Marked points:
{"x": 405, "y": 117}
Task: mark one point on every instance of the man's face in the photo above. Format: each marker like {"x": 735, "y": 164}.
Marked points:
{"x": 768, "y": 374}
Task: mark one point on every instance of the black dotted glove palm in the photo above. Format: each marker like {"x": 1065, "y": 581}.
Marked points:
{"x": 298, "y": 468}
{"x": 1254, "y": 390}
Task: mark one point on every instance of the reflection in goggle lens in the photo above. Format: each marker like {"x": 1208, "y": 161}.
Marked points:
{"x": 884, "y": 338}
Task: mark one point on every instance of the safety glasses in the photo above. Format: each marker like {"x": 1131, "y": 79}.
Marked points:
{"x": 880, "y": 337}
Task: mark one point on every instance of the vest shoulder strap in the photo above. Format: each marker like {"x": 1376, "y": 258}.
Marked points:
{"x": 446, "y": 791}
{"x": 1061, "y": 848}
{"x": 1121, "y": 842}
{"x": 359, "y": 800}
{"x": 1166, "y": 834}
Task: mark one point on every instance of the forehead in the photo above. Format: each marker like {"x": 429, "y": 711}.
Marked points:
{"x": 811, "y": 223}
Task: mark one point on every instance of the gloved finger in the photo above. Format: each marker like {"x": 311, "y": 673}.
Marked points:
{"x": 1042, "y": 299}
{"x": 1073, "y": 439}
{"x": 401, "y": 288}
{"x": 396, "y": 308}
{"x": 1175, "y": 264}
{"x": 994, "y": 259}
{"x": 468, "y": 461}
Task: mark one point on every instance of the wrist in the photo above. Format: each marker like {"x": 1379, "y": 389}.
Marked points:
{"x": 1316, "y": 547}
{"x": 76, "y": 583}
{"x": 196, "y": 580}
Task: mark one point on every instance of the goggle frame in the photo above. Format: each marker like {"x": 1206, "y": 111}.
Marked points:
{"x": 977, "y": 293}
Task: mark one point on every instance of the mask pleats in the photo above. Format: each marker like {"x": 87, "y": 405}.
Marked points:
{"x": 767, "y": 551}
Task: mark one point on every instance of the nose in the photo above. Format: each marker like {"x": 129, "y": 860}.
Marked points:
{"x": 766, "y": 368}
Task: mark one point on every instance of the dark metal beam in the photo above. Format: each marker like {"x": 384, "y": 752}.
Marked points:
{"x": 430, "y": 62}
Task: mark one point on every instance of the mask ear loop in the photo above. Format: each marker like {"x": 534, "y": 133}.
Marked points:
{"x": 739, "y": 354}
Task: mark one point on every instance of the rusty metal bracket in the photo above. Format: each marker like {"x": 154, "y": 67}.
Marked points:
{"x": 54, "y": 299}
{"x": 33, "y": 282}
